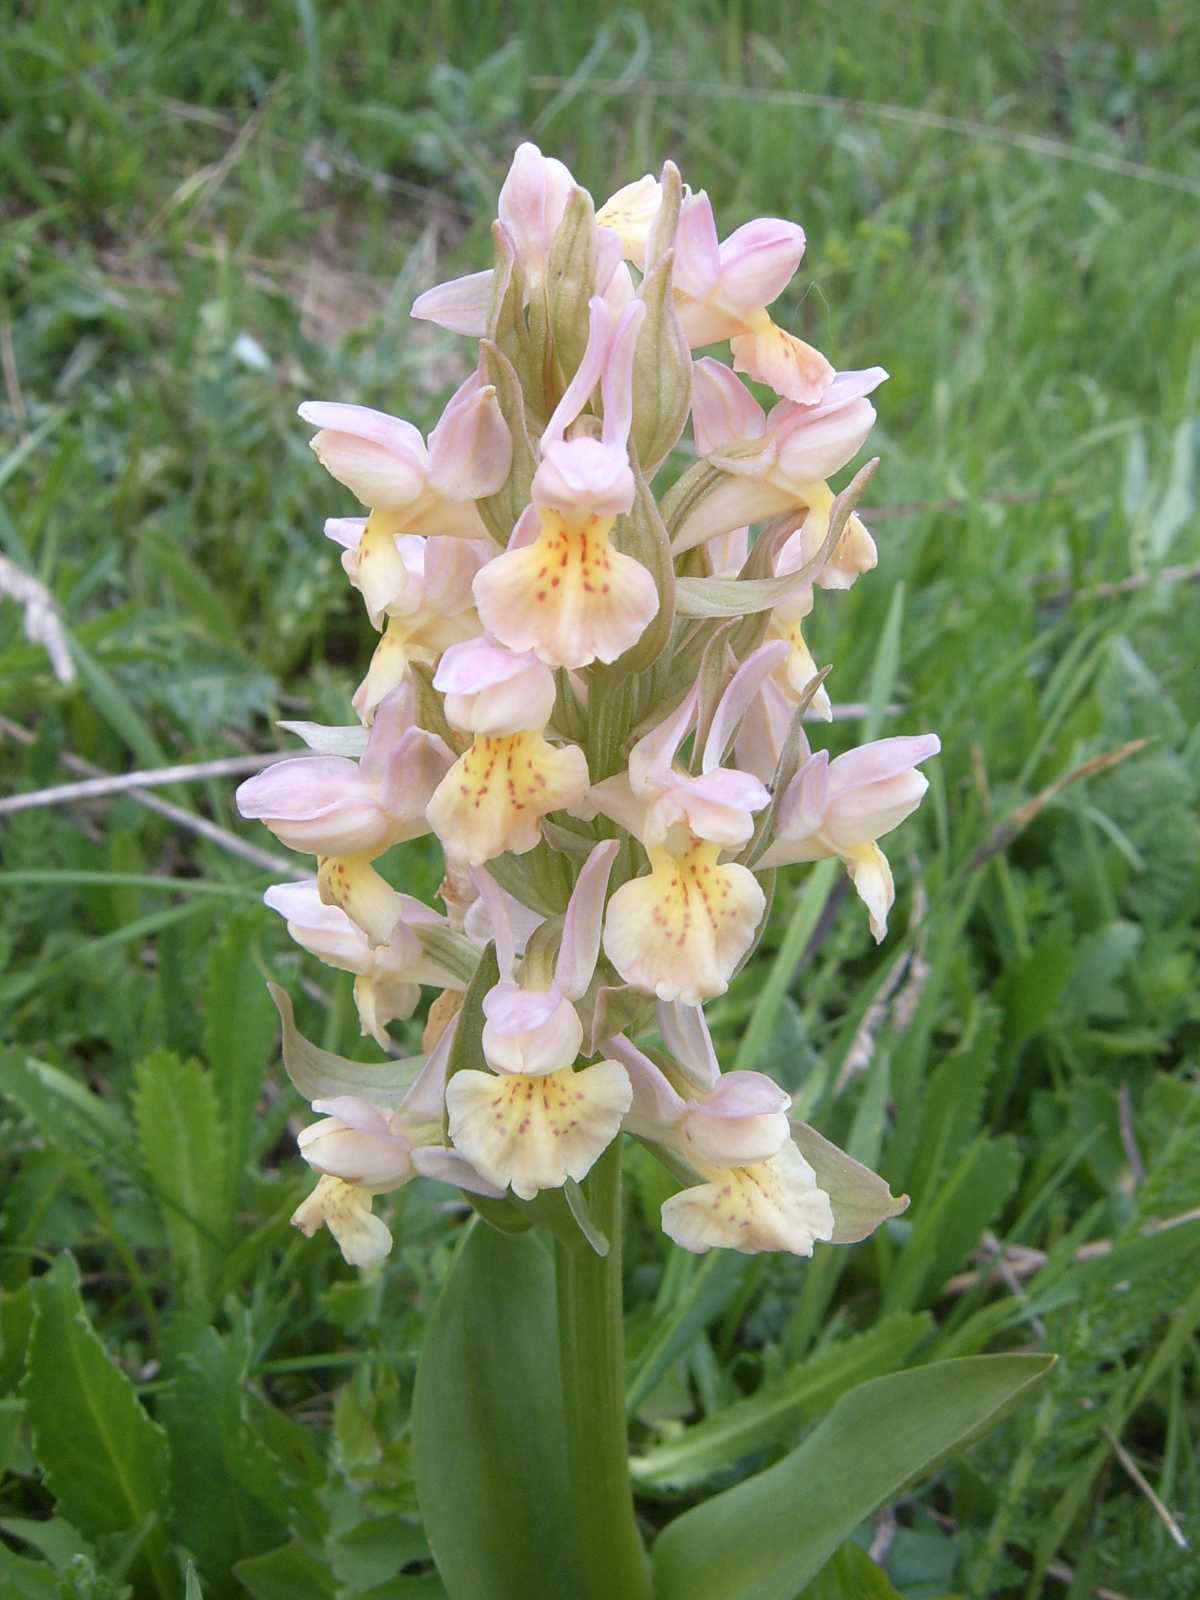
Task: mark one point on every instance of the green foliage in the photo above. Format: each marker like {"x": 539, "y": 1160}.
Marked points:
{"x": 488, "y": 1429}
{"x": 765, "y": 1538}
{"x": 210, "y": 214}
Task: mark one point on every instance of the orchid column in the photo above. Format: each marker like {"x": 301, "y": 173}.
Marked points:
{"x": 596, "y": 700}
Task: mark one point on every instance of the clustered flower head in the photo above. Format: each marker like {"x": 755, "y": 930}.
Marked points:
{"x": 594, "y": 697}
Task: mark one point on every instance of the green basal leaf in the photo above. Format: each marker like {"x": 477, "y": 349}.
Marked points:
{"x": 319, "y": 1074}
{"x": 489, "y": 1443}
{"x": 766, "y": 1538}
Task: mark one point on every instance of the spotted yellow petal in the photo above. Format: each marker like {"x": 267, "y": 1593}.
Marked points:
{"x": 535, "y": 1133}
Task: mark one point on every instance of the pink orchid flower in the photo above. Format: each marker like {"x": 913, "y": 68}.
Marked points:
{"x": 778, "y": 463}
{"x": 758, "y": 1192}
{"x": 408, "y": 486}
{"x": 532, "y": 1122}
{"x": 347, "y": 813}
{"x": 842, "y": 807}
{"x": 387, "y": 978}
{"x": 722, "y": 292}
{"x": 361, "y": 1149}
{"x": 681, "y": 930}
{"x": 495, "y": 795}
{"x": 561, "y": 589}
{"x": 430, "y": 610}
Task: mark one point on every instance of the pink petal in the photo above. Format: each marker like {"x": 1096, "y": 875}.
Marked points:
{"x": 742, "y": 688}
{"x": 723, "y": 409}
{"x": 533, "y": 199}
{"x": 656, "y": 1107}
{"x": 584, "y": 474}
{"x": 616, "y": 388}
{"x": 470, "y": 449}
{"x": 459, "y": 306}
{"x": 685, "y": 1033}
{"x": 601, "y": 324}
{"x": 346, "y": 531}
{"x": 393, "y": 434}
{"x": 758, "y": 261}
{"x": 580, "y": 947}
{"x": 478, "y": 664}
{"x": 880, "y": 760}
{"x": 746, "y": 1094}
{"x": 697, "y": 257}
{"x": 651, "y": 757}
{"x": 355, "y": 1112}
{"x": 513, "y": 1010}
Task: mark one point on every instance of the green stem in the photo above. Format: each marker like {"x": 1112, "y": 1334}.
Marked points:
{"x": 592, "y": 1350}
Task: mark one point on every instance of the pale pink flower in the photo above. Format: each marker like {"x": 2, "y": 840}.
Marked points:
{"x": 841, "y": 807}
{"x": 733, "y": 1131}
{"x": 533, "y": 1121}
{"x": 722, "y": 292}
{"x": 387, "y": 978}
{"x": 561, "y": 589}
{"x": 533, "y": 202}
{"x": 435, "y": 610}
{"x": 780, "y": 461}
{"x": 347, "y": 813}
{"x": 407, "y": 486}
{"x": 717, "y": 804}
{"x": 495, "y": 795}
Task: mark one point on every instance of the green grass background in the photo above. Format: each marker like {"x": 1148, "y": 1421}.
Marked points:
{"x": 211, "y": 212}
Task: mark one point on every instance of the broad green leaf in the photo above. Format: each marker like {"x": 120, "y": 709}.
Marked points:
{"x": 239, "y": 1041}
{"x": 183, "y": 1151}
{"x": 851, "y": 1575}
{"x": 488, "y": 1435}
{"x": 320, "y": 1075}
{"x": 292, "y": 1572}
{"x": 766, "y": 1538}
{"x": 24, "y": 1579}
{"x": 778, "y": 1408}
{"x": 103, "y": 1459}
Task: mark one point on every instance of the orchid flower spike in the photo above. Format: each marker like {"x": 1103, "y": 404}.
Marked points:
{"x": 348, "y": 813}
{"x": 532, "y": 1122}
{"x": 758, "y": 1192}
{"x": 842, "y": 807}
{"x": 680, "y": 931}
{"x": 773, "y": 465}
{"x": 495, "y": 795}
{"x": 722, "y": 292}
{"x": 408, "y": 486}
{"x": 561, "y": 589}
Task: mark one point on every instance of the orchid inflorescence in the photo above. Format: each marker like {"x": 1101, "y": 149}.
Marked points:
{"x": 595, "y": 700}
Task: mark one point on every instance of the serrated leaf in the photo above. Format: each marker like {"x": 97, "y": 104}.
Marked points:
{"x": 489, "y": 1438}
{"x": 104, "y": 1460}
{"x": 239, "y": 1039}
{"x": 183, "y": 1152}
{"x": 780, "y": 1407}
{"x": 218, "y": 1463}
{"x": 766, "y": 1538}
